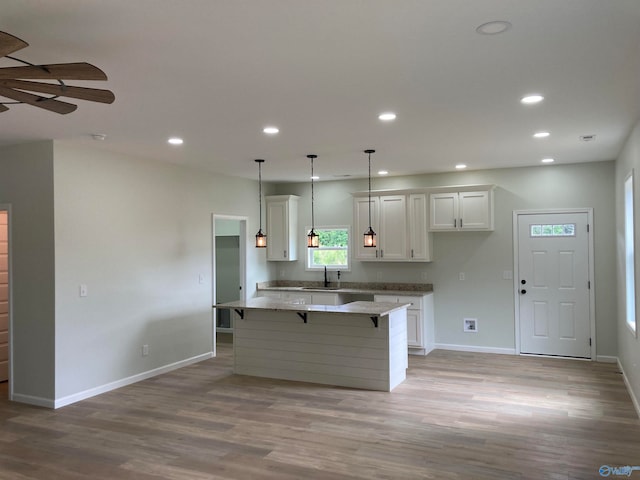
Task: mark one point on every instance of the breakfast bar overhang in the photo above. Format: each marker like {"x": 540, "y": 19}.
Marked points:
{"x": 359, "y": 344}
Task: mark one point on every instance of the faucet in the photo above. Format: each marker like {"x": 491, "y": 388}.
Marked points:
{"x": 326, "y": 280}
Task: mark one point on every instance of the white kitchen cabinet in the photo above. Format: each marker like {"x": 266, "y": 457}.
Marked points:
{"x": 420, "y": 322}
{"x": 461, "y": 210}
{"x": 400, "y": 223}
{"x": 420, "y": 245}
{"x": 304, "y": 298}
{"x": 282, "y": 228}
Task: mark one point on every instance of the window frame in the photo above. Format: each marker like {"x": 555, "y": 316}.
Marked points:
{"x": 631, "y": 319}
{"x": 311, "y": 268}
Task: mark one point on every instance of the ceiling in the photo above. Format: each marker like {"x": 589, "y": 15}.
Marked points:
{"x": 215, "y": 72}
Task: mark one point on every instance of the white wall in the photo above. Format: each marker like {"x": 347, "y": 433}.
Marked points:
{"x": 138, "y": 234}
{"x": 482, "y": 256}
{"x": 628, "y": 343}
{"x": 26, "y": 183}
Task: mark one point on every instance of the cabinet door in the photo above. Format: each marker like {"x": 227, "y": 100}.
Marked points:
{"x": 325, "y": 299}
{"x": 414, "y": 328}
{"x": 393, "y": 228}
{"x": 277, "y": 230}
{"x": 361, "y": 221}
{"x": 475, "y": 213}
{"x": 444, "y": 211}
{"x": 419, "y": 237}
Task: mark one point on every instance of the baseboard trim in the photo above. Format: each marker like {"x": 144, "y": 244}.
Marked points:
{"x": 92, "y": 392}
{"x": 474, "y": 348}
{"x": 606, "y": 359}
{"x": 634, "y": 400}
{"x": 31, "y": 400}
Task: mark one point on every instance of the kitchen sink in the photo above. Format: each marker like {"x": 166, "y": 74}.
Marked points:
{"x": 320, "y": 288}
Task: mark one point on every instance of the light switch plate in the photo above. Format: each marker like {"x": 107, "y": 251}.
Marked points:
{"x": 83, "y": 290}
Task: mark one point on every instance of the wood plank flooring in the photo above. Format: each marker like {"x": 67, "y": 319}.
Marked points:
{"x": 457, "y": 416}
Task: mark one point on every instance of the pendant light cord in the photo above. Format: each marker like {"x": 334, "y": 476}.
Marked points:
{"x": 369, "y": 190}
{"x": 312, "y": 219}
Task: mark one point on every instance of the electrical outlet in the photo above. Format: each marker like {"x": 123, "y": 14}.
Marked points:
{"x": 424, "y": 277}
{"x": 83, "y": 290}
{"x": 282, "y": 273}
{"x": 461, "y": 276}
{"x": 201, "y": 278}
{"x": 145, "y": 350}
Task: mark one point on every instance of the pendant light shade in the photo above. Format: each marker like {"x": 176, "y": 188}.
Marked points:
{"x": 313, "y": 240}
{"x": 261, "y": 238}
{"x": 370, "y": 235}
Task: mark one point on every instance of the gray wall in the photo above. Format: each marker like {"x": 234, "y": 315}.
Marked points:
{"x": 483, "y": 256}
{"x": 26, "y": 183}
{"x": 138, "y": 233}
{"x": 628, "y": 343}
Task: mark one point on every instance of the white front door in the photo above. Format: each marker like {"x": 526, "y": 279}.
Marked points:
{"x": 553, "y": 284}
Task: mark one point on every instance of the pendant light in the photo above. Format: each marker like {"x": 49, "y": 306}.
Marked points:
{"x": 313, "y": 241}
{"x": 261, "y": 238}
{"x": 370, "y": 235}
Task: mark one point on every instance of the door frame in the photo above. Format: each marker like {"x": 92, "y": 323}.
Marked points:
{"x": 243, "y": 265}
{"x": 7, "y": 208}
{"x": 516, "y": 271}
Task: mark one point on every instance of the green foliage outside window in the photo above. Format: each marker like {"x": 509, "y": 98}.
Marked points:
{"x": 333, "y": 251}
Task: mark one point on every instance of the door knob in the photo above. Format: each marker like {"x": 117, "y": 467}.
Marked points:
{"x": 523, "y": 291}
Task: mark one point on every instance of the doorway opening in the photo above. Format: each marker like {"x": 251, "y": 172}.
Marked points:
{"x": 553, "y": 283}
{"x": 229, "y": 270}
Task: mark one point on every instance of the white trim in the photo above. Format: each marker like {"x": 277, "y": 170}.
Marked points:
{"x": 636, "y": 404}
{"x": 31, "y": 400}
{"x": 592, "y": 275}
{"x": 606, "y": 359}
{"x": 92, "y": 392}
{"x": 474, "y": 348}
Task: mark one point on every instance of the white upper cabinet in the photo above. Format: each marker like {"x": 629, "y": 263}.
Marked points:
{"x": 420, "y": 245}
{"x": 282, "y": 227}
{"x": 462, "y": 210}
{"x": 392, "y": 240}
{"x": 400, "y": 223}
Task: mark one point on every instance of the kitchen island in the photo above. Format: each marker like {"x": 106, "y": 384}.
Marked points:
{"x": 359, "y": 344}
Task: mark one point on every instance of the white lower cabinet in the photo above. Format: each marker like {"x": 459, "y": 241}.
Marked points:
{"x": 304, "y": 298}
{"x": 420, "y": 324}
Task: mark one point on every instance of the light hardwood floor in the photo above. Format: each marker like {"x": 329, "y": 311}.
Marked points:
{"x": 458, "y": 416}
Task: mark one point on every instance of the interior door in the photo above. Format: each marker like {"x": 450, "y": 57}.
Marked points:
{"x": 553, "y": 294}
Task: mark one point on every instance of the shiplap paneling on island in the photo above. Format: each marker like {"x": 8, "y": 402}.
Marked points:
{"x": 344, "y": 350}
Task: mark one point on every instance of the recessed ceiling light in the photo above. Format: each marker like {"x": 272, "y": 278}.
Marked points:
{"x": 494, "y": 28}
{"x": 315, "y": 177}
{"x": 541, "y": 134}
{"x": 270, "y": 130}
{"x": 461, "y": 166}
{"x": 548, "y": 160}
{"x": 175, "y": 141}
{"x": 383, "y": 172}
{"x": 387, "y": 116}
{"x": 530, "y": 99}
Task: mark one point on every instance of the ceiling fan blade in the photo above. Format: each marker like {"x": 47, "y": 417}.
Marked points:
{"x": 61, "y": 71}
{"x": 10, "y": 44}
{"x": 3, "y": 108}
{"x": 82, "y": 93}
{"x": 37, "y": 101}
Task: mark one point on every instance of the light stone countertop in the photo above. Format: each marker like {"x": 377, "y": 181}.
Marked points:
{"x": 359, "y": 308}
{"x": 408, "y": 289}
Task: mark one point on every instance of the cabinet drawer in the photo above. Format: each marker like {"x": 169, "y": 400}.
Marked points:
{"x": 416, "y": 302}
